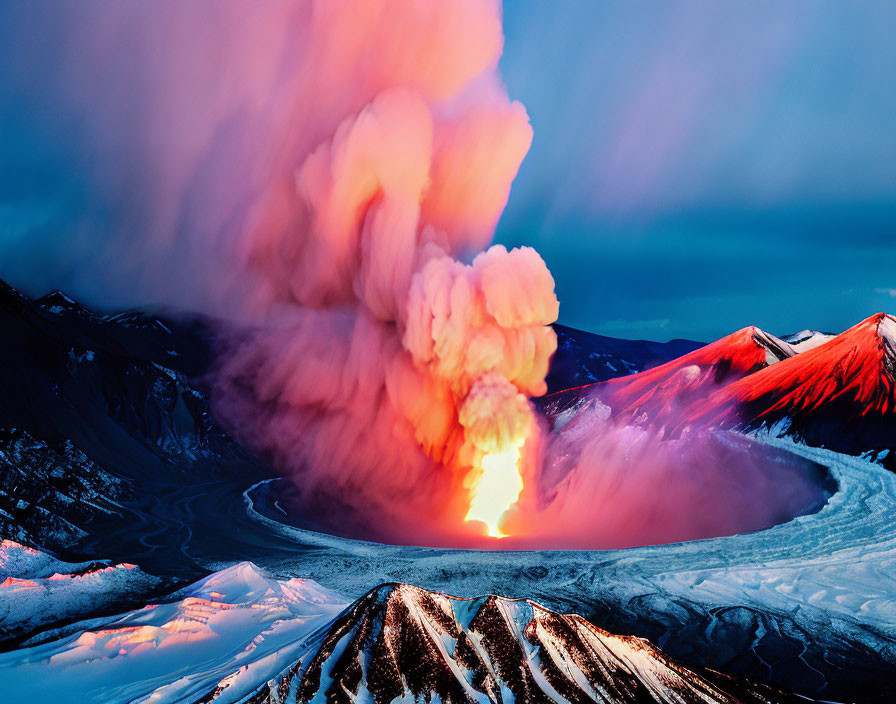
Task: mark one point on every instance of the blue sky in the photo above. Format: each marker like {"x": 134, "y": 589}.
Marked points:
{"x": 701, "y": 166}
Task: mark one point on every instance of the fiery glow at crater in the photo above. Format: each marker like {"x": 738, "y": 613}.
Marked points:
{"x": 497, "y": 488}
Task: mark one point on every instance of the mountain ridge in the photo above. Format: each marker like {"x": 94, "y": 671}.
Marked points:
{"x": 400, "y": 642}
{"x": 655, "y": 390}
{"x": 841, "y": 394}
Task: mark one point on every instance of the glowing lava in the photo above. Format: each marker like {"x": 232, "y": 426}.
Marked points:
{"x": 497, "y": 488}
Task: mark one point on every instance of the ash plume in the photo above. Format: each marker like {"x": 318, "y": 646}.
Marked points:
{"x": 326, "y": 176}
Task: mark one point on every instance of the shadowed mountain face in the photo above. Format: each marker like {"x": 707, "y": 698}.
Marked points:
{"x": 403, "y": 643}
{"x": 105, "y": 442}
{"x": 585, "y": 358}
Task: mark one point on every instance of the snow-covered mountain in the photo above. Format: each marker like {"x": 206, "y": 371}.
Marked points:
{"x": 39, "y": 591}
{"x": 401, "y": 643}
{"x": 807, "y": 339}
{"x": 231, "y": 630}
{"x": 240, "y": 636}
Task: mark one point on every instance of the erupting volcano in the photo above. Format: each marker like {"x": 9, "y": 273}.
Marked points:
{"x": 301, "y": 375}
{"x": 387, "y": 364}
{"x": 328, "y": 188}
{"x": 333, "y": 190}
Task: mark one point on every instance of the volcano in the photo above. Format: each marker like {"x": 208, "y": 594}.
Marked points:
{"x": 675, "y": 384}
{"x": 840, "y": 395}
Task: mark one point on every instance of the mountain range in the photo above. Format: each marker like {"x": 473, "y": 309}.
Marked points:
{"x": 832, "y": 391}
{"x": 585, "y": 358}
{"x": 107, "y": 440}
{"x": 111, "y": 460}
{"x": 260, "y": 640}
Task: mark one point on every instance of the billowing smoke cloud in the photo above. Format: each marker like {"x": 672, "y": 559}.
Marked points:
{"x": 327, "y": 175}
{"x": 386, "y": 366}
{"x": 388, "y": 417}
{"x": 330, "y": 174}
{"x": 610, "y": 483}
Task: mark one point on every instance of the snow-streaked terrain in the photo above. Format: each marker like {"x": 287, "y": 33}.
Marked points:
{"x": 232, "y": 630}
{"x": 806, "y": 340}
{"x": 402, "y": 643}
{"x": 239, "y": 635}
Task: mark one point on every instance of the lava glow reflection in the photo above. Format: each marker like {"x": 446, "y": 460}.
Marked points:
{"x": 497, "y": 489}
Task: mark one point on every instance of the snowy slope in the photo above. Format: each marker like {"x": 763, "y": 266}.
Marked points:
{"x": 837, "y": 392}
{"x": 806, "y": 340}
{"x": 232, "y": 630}
{"x": 239, "y": 636}
{"x": 38, "y": 591}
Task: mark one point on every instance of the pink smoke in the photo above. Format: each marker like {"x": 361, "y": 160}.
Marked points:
{"x": 328, "y": 176}
{"x": 383, "y": 364}
{"x": 602, "y": 482}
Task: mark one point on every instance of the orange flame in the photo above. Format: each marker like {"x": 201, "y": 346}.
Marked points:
{"x": 497, "y": 487}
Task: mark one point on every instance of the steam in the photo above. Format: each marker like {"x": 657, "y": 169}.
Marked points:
{"x": 383, "y": 367}
{"x": 327, "y": 176}
{"x": 604, "y": 482}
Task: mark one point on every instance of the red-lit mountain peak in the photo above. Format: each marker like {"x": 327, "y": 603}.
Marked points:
{"x": 679, "y": 382}
{"x": 856, "y": 368}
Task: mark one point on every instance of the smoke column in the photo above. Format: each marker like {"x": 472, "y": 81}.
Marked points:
{"x": 388, "y": 363}
{"x": 326, "y": 176}
{"x": 329, "y": 174}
